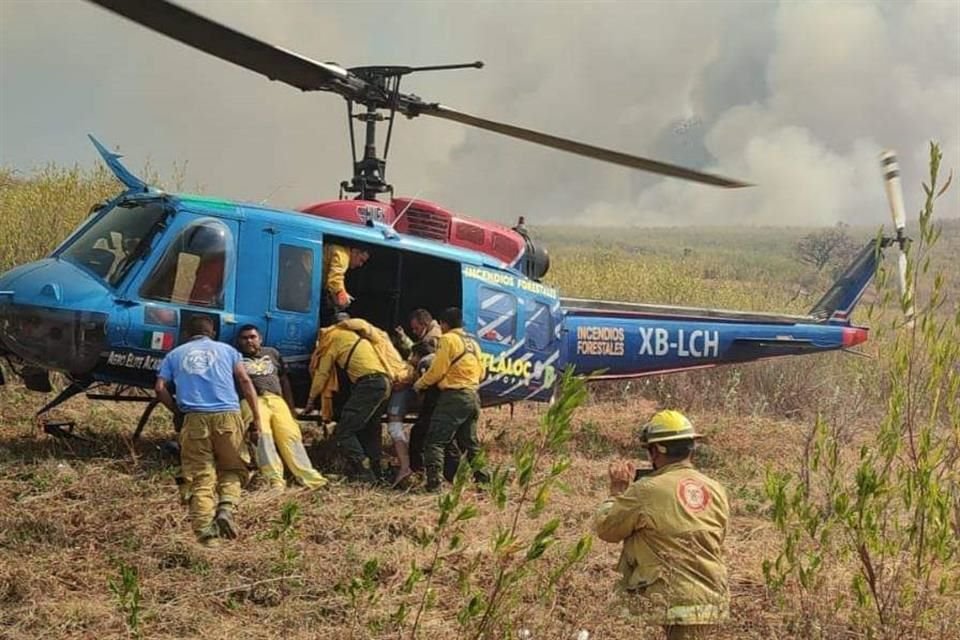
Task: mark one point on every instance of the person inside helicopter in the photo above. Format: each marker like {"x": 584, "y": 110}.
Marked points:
{"x": 337, "y": 260}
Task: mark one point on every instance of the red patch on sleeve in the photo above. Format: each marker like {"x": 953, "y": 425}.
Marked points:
{"x": 693, "y": 495}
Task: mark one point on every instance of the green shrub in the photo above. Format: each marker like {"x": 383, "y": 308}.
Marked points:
{"x": 875, "y": 527}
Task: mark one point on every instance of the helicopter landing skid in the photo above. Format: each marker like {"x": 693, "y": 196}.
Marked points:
{"x": 63, "y": 429}
{"x": 124, "y": 393}
{"x": 144, "y": 417}
{"x": 60, "y": 428}
{"x": 118, "y": 393}
{"x": 70, "y": 391}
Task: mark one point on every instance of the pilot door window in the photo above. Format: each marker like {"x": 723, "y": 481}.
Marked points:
{"x": 294, "y": 278}
{"x": 538, "y": 325}
{"x": 498, "y": 316}
{"x": 193, "y": 268}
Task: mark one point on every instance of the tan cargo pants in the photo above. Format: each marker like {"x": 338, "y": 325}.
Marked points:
{"x": 214, "y": 461}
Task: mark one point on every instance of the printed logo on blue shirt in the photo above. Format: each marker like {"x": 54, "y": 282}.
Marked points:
{"x": 198, "y": 361}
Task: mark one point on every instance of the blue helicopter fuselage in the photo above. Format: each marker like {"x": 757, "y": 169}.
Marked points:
{"x": 113, "y": 298}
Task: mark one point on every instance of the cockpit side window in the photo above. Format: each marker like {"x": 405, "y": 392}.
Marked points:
{"x": 498, "y": 316}
{"x": 294, "y": 278}
{"x": 539, "y": 325}
{"x": 111, "y": 244}
{"x": 194, "y": 267}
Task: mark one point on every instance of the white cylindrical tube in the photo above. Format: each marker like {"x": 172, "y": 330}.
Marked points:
{"x": 891, "y": 182}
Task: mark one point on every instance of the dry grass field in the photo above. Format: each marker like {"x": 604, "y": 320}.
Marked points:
{"x": 93, "y": 542}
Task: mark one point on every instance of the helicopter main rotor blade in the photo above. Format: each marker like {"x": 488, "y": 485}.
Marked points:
{"x": 309, "y": 75}
{"x": 580, "y": 148}
{"x": 225, "y": 43}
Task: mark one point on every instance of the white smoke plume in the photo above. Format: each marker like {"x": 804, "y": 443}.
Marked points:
{"x": 799, "y": 98}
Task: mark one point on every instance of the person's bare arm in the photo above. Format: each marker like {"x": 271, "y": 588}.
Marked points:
{"x": 621, "y": 475}
{"x": 166, "y": 399}
{"x": 163, "y": 395}
{"x": 250, "y": 395}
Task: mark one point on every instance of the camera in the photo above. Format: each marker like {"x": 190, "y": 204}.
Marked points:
{"x": 641, "y": 472}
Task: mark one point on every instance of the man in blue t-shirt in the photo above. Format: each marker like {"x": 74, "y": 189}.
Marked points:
{"x": 213, "y": 457}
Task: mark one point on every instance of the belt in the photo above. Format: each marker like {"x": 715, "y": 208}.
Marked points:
{"x": 370, "y": 376}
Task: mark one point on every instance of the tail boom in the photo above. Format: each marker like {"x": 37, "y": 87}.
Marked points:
{"x": 625, "y": 344}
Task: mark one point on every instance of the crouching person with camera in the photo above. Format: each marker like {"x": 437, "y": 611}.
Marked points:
{"x": 672, "y": 523}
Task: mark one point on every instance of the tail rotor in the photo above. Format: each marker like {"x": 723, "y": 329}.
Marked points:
{"x": 891, "y": 183}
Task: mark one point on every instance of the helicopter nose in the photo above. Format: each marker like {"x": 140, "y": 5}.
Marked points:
{"x": 48, "y": 316}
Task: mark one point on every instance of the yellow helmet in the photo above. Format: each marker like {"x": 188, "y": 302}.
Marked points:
{"x": 667, "y": 425}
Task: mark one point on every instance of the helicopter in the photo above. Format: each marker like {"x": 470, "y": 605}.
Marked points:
{"x": 118, "y": 293}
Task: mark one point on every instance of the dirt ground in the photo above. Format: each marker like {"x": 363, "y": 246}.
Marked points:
{"x": 73, "y": 512}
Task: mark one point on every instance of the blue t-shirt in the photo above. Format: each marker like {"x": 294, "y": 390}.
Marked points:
{"x": 202, "y": 370}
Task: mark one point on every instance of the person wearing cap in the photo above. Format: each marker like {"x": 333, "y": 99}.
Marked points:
{"x": 456, "y": 370}
{"x": 672, "y": 523}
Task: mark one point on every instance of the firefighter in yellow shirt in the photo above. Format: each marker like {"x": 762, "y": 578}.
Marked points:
{"x": 672, "y": 523}
{"x": 337, "y": 260}
{"x": 457, "y": 370}
{"x": 358, "y": 431}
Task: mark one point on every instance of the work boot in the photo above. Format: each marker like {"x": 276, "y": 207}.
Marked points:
{"x": 360, "y": 473}
{"x": 434, "y": 481}
{"x": 210, "y": 535}
{"x": 382, "y": 475}
{"x": 225, "y": 523}
{"x": 317, "y": 483}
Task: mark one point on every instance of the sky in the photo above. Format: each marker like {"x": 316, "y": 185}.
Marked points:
{"x": 799, "y": 98}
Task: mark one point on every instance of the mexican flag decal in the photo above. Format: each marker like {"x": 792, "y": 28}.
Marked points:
{"x": 158, "y": 340}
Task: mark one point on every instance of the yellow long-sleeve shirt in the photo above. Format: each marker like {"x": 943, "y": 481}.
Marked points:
{"x": 672, "y": 524}
{"x": 465, "y": 373}
{"x": 336, "y": 261}
{"x": 335, "y": 345}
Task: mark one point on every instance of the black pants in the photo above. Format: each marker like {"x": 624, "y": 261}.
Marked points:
{"x": 359, "y": 432}
{"x": 454, "y": 423}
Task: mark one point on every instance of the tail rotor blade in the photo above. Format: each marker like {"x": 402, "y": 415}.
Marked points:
{"x": 891, "y": 182}
{"x": 902, "y": 272}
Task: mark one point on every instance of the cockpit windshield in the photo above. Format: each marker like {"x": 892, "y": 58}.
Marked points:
{"x": 112, "y": 244}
